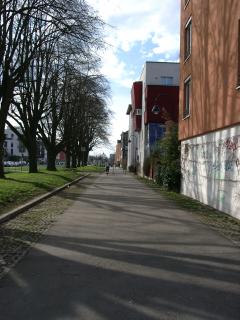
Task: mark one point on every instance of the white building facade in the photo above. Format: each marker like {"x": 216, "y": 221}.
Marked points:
{"x": 158, "y": 85}
{"x": 14, "y": 147}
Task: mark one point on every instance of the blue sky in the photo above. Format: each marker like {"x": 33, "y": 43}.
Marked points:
{"x": 142, "y": 31}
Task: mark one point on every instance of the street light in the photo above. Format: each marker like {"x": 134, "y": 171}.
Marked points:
{"x": 135, "y": 151}
{"x": 156, "y": 109}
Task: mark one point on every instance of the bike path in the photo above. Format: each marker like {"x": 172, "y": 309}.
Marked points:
{"x": 121, "y": 251}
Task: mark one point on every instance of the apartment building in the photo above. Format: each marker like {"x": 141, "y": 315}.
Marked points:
{"x": 209, "y": 116}
{"x": 14, "y": 147}
{"x": 154, "y": 100}
{"x": 118, "y": 153}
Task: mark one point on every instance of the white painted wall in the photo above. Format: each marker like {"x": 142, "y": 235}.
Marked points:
{"x": 155, "y": 70}
{"x": 211, "y": 169}
{"x": 12, "y": 144}
{"x": 133, "y": 146}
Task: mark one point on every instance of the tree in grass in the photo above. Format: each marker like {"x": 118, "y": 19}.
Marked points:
{"x": 86, "y": 119}
{"x": 71, "y": 23}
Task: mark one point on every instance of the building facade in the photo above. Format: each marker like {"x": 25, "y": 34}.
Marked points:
{"x": 124, "y": 149}
{"x": 209, "y": 116}
{"x": 154, "y": 100}
{"x": 14, "y": 147}
{"x": 118, "y": 153}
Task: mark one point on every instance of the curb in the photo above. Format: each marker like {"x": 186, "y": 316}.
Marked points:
{"x": 13, "y": 213}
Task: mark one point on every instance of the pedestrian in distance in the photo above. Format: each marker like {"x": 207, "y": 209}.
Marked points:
{"x": 107, "y": 169}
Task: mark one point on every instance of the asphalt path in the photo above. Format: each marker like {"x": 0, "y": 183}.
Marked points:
{"x": 121, "y": 251}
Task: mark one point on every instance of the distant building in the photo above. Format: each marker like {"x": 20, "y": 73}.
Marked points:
{"x": 112, "y": 159}
{"x": 124, "y": 149}
{"x": 209, "y": 118}
{"x": 14, "y": 147}
{"x": 154, "y": 100}
{"x": 118, "y": 153}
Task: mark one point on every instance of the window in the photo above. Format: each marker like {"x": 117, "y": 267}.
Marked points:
{"x": 187, "y": 97}
{"x": 188, "y": 39}
{"x": 186, "y": 3}
{"x": 11, "y": 144}
{"x": 138, "y": 112}
{"x": 21, "y": 147}
{"x": 166, "y": 81}
{"x": 238, "y": 70}
{"x": 12, "y": 136}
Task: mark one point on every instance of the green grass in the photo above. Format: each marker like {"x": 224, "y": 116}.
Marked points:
{"x": 224, "y": 223}
{"x": 18, "y": 187}
{"x": 92, "y": 169}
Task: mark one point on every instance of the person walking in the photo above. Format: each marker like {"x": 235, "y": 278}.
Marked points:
{"x": 107, "y": 169}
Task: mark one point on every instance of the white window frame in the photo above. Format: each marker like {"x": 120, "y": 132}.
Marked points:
{"x": 166, "y": 77}
{"x": 138, "y": 112}
{"x": 186, "y": 4}
{"x": 187, "y": 80}
{"x": 188, "y": 54}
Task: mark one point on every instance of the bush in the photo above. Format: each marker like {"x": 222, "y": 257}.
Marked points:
{"x": 146, "y": 166}
{"x": 169, "y": 168}
{"x": 132, "y": 168}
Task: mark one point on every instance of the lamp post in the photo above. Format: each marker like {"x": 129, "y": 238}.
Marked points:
{"x": 156, "y": 109}
{"x": 135, "y": 150}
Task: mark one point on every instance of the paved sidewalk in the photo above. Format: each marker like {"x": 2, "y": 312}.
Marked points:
{"x": 122, "y": 252}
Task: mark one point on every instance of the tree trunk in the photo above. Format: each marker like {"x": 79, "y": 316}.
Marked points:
{"x": 68, "y": 159}
{"x": 32, "y": 156}
{"x": 51, "y": 160}
{"x": 79, "y": 161}
{"x": 1, "y": 160}
{"x": 74, "y": 161}
{"x": 85, "y": 157}
{"x": 2, "y": 139}
{"x": 5, "y": 103}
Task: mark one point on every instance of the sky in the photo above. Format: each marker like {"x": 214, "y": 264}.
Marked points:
{"x": 140, "y": 31}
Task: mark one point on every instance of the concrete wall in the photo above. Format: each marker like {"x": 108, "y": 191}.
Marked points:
{"x": 133, "y": 142}
{"x": 211, "y": 169}
{"x": 155, "y": 70}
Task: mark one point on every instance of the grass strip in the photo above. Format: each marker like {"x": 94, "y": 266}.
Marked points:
{"x": 92, "y": 169}
{"x": 20, "y": 187}
{"x": 220, "y": 221}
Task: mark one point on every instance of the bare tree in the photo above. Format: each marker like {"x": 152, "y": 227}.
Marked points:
{"x": 88, "y": 115}
{"x": 15, "y": 53}
{"x": 21, "y": 42}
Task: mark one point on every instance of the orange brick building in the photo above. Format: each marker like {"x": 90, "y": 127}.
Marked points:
{"x": 209, "y": 115}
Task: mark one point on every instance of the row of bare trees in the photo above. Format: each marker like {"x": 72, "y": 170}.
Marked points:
{"x": 50, "y": 87}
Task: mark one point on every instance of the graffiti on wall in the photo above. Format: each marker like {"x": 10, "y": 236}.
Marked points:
{"x": 219, "y": 159}
{"x": 211, "y": 171}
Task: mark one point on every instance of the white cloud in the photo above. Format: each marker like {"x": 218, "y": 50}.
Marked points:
{"x": 153, "y": 25}
{"x": 116, "y": 70}
{"x": 138, "y": 21}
